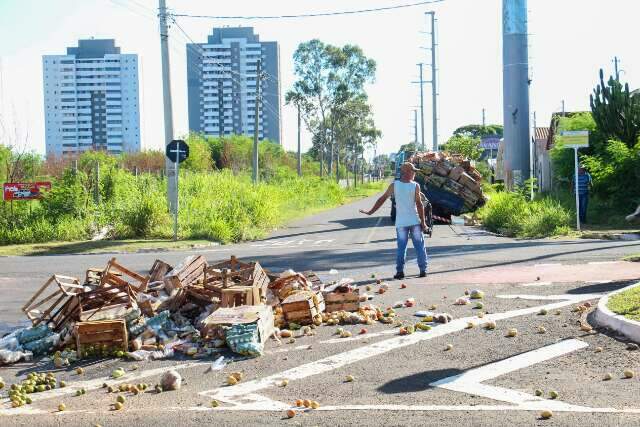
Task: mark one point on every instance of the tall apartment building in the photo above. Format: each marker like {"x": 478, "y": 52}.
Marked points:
{"x": 222, "y": 80}
{"x": 91, "y": 100}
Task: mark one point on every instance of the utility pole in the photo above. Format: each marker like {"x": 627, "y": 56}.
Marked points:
{"x": 172, "y": 192}
{"x": 616, "y": 61}
{"x": 299, "y": 150}
{"x": 421, "y": 82}
{"x": 256, "y": 121}
{"x": 532, "y": 156}
{"x": 484, "y": 121}
{"x": 563, "y": 107}
{"x": 517, "y": 119}
{"x": 434, "y": 85}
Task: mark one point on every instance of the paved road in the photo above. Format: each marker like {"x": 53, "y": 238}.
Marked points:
{"x": 485, "y": 379}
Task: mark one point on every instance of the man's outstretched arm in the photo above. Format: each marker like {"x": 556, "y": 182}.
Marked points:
{"x": 380, "y": 201}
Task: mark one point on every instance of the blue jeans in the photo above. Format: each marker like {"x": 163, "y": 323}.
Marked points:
{"x": 417, "y": 238}
{"x": 584, "y": 203}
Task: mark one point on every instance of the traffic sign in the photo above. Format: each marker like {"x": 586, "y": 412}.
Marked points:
{"x": 575, "y": 138}
{"x": 177, "y": 151}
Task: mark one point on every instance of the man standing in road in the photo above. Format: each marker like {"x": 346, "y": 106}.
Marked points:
{"x": 409, "y": 218}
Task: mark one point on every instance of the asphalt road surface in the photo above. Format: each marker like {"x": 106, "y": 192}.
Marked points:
{"x": 485, "y": 378}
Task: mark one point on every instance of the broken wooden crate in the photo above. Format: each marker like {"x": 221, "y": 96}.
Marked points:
{"x": 116, "y": 274}
{"x": 342, "y": 301}
{"x": 158, "y": 271}
{"x": 109, "y": 334}
{"x": 303, "y": 307}
{"x": 51, "y": 303}
{"x": 106, "y": 303}
{"x": 285, "y": 286}
{"x": 189, "y": 271}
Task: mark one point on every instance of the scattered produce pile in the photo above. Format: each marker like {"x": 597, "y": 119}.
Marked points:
{"x": 198, "y": 309}
{"x": 451, "y": 173}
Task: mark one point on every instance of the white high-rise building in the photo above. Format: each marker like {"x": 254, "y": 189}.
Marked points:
{"x": 222, "y": 80}
{"x": 91, "y": 100}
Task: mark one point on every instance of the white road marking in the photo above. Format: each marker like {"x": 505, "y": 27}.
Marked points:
{"x": 602, "y": 262}
{"x": 550, "y": 264}
{"x": 532, "y": 284}
{"x": 299, "y": 242}
{"x": 471, "y": 380}
{"x": 373, "y": 230}
{"x": 598, "y": 282}
{"x": 244, "y": 394}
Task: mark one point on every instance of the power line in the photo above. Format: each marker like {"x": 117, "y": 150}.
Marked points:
{"x": 314, "y": 15}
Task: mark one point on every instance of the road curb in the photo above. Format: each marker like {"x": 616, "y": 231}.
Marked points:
{"x": 627, "y": 237}
{"x": 605, "y": 317}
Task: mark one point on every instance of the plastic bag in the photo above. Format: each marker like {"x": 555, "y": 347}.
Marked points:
{"x": 218, "y": 364}
{"x": 43, "y": 345}
{"x": 32, "y": 334}
{"x": 8, "y": 357}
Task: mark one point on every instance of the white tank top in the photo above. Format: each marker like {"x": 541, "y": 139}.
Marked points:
{"x": 404, "y": 194}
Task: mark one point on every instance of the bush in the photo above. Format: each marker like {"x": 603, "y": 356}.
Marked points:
{"x": 512, "y": 215}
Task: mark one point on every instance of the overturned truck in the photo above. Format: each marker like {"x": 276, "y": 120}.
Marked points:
{"x": 450, "y": 183}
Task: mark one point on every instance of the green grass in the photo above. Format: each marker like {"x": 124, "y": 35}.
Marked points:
{"x": 215, "y": 207}
{"x": 626, "y": 303}
{"x": 632, "y": 258}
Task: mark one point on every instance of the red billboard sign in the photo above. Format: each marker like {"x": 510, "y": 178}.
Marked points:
{"x": 24, "y": 190}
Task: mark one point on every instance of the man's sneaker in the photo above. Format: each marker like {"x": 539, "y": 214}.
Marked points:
{"x": 399, "y": 275}
{"x": 423, "y": 274}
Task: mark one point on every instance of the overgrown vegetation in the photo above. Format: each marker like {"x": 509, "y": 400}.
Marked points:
{"x": 218, "y": 201}
{"x": 511, "y": 214}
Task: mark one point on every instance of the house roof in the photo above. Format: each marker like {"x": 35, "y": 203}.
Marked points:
{"x": 541, "y": 133}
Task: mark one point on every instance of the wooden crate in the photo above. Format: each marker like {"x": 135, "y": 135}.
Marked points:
{"x": 112, "y": 333}
{"x": 284, "y": 286}
{"x": 234, "y": 281}
{"x": 342, "y": 301}
{"x": 470, "y": 183}
{"x": 303, "y": 307}
{"x": 50, "y": 303}
{"x": 453, "y": 186}
{"x": 442, "y": 168}
{"x": 116, "y": 275}
{"x": 456, "y": 172}
{"x": 316, "y": 283}
{"x": 106, "y": 303}
{"x": 189, "y": 271}
{"x": 158, "y": 271}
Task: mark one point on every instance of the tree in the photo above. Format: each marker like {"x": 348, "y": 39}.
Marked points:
{"x": 464, "y": 145}
{"x": 616, "y": 110}
{"x": 329, "y": 77}
{"x": 479, "y": 131}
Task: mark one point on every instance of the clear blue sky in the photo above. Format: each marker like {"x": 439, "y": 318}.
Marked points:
{"x": 570, "y": 40}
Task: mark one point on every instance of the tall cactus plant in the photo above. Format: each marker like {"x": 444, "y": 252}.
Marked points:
{"x": 616, "y": 111}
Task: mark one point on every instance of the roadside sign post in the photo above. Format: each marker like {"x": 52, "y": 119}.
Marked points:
{"x": 177, "y": 151}
{"x": 576, "y": 139}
